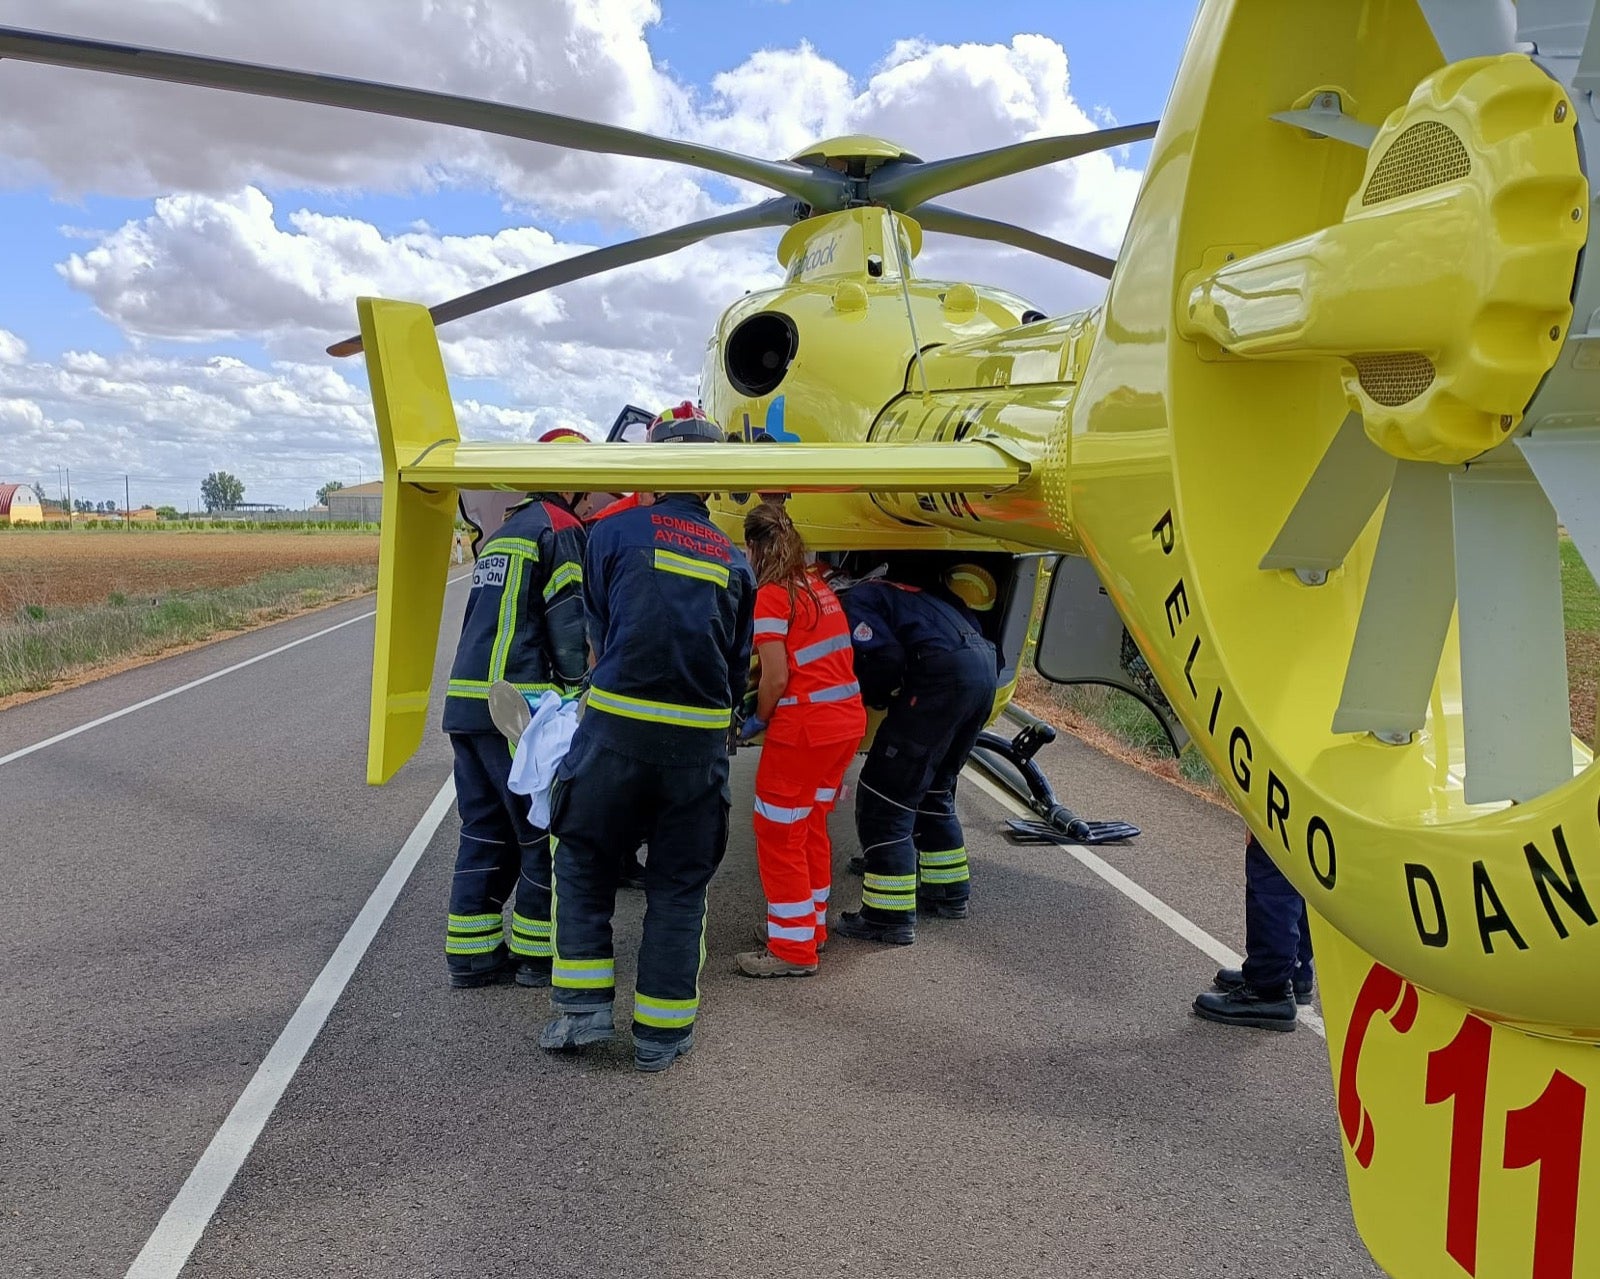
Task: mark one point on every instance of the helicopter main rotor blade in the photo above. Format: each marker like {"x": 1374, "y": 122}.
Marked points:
{"x": 939, "y": 217}
{"x": 819, "y": 187}
{"x": 1471, "y": 28}
{"x": 780, "y": 211}
{"x": 904, "y": 185}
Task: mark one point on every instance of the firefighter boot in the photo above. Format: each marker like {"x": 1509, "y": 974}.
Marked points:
{"x": 854, "y": 924}
{"x": 577, "y": 1029}
{"x": 650, "y": 1056}
{"x": 468, "y": 972}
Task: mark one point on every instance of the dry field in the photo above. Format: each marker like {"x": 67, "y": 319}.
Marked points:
{"x": 53, "y": 570}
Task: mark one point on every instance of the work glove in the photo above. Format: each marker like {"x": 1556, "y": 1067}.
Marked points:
{"x": 750, "y": 728}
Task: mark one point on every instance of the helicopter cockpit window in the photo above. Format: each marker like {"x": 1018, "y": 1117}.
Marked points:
{"x": 632, "y": 426}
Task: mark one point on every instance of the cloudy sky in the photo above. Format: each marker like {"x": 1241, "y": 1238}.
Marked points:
{"x": 179, "y": 258}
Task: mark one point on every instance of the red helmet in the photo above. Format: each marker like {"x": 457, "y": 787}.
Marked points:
{"x": 684, "y": 422}
{"x": 563, "y": 433}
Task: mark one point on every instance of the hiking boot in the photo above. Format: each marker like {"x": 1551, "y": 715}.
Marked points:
{"x": 577, "y": 1029}
{"x": 533, "y": 972}
{"x": 1246, "y": 1006}
{"x": 468, "y": 972}
{"x": 761, "y": 939}
{"x": 852, "y": 924}
{"x": 509, "y": 710}
{"x": 943, "y": 908}
{"x": 1233, "y": 978}
{"x": 651, "y": 1056}
{"x": 763, "y": 963}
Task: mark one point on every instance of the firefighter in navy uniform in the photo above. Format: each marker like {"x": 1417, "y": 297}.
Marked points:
{"x": 921, "y": 654}
{"x": 524, "y": 625}
{"x": 670, "y": 604}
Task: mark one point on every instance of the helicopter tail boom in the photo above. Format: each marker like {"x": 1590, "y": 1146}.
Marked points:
{"x": 426, "y": 463}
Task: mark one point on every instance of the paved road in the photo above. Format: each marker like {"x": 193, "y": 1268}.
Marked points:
{"x": 1024, "y": 1093}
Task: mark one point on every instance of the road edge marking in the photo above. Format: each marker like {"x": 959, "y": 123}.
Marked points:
{"x": 168, "y": 1249}
{"x": 1140, "y": 896}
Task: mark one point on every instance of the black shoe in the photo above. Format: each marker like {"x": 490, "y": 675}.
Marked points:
{"x": 944, "y": 909}
{"x": 468, "y": 973}
{"x": 1233, "y": 979}
{"x": 857, "y": 866}
{"x": 533, "y": 972}
{"x": 851, "y": 924}
{"x": 1246, "y": 1006}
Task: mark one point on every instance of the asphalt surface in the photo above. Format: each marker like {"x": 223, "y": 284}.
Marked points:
{"x": 1022, "y": 1093}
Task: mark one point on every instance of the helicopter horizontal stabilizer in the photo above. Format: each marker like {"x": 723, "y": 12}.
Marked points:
{"x": 426, "y": 463}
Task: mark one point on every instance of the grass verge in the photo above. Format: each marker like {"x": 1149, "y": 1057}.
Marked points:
{"x": 39, "y": 647}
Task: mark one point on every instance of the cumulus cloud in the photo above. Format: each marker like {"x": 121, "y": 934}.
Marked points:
{"x": 219, "y": 258}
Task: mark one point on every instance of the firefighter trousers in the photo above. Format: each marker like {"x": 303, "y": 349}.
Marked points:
{"x": 905, "y": 798}
{"x": 604, "y": 805}
{"x": 797, "y": 787}
{"x": 500, "y": 850}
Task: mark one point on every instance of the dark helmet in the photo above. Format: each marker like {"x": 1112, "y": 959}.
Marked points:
{"x": 684, "y": 423}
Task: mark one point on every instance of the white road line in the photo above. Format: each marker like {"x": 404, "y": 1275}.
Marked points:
{"x": 1139, "y": 895}
{"x": 167, "y": 1250}
{"x": 195, "y": 683}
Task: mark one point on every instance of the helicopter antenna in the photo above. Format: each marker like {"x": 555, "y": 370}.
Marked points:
{"x": 905, "y": 292}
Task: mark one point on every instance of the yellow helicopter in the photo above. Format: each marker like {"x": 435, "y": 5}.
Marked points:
{"x": 1317, "y": 447}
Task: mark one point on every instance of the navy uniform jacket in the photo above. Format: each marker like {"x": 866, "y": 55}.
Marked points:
{"x": 671, "y": 606}
{"x": 524, "y": 619}
{"x": 895, "y": 628}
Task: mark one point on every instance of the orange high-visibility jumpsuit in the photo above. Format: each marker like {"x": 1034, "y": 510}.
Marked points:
{"x": 814, "y": 730}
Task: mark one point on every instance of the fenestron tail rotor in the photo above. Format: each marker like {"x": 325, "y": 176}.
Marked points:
{"x": 820, "y": 182}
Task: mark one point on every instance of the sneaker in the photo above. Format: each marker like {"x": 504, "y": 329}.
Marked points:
{"x": 852, "y": 924}
{"x": 761, "y": 939}
{"x": 577, "y": 1030}
{"x": 943, "y": 908}
{"x": 509, "y": 710}
{"x": 471, "y": 972}
{"x": 1247, "y": 1006}
{"x": 533, "y": 972}
{"x": 651, "y": 1056}
{"x": 1233, "y": 979}
{"x": 763, "y": 963}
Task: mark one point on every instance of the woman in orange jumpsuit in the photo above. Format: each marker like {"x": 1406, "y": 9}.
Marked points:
{"x": 809, "y": 705}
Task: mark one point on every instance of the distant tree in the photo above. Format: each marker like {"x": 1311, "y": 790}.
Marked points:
{"x": 221, "y": 491}
{"x": 330, "y": 487}
{"x": 105, "y": 508}
{"x": 167, "y": 513}
{"x": 82, "y": 505}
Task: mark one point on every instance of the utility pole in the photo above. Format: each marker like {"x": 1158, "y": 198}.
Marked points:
{"x": 127, "y": 502}
{"x": 69, "y": 497}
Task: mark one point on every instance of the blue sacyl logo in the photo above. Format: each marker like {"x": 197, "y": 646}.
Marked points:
{"x": 773, "y": 431}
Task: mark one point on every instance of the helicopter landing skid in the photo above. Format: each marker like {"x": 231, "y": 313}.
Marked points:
{"x": 1010, "y": 762}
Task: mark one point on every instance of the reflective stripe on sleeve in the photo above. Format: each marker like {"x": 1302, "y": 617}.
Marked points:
{"x": 514, "y": 546}
{"x": 569, "y": 574}
{"x": 478, "y": 689}
{"x": 685, "y": 566}
{"x": 771, "y": 626}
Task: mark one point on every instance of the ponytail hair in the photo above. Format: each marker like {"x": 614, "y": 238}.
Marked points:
{"x": 778, "y": 552}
